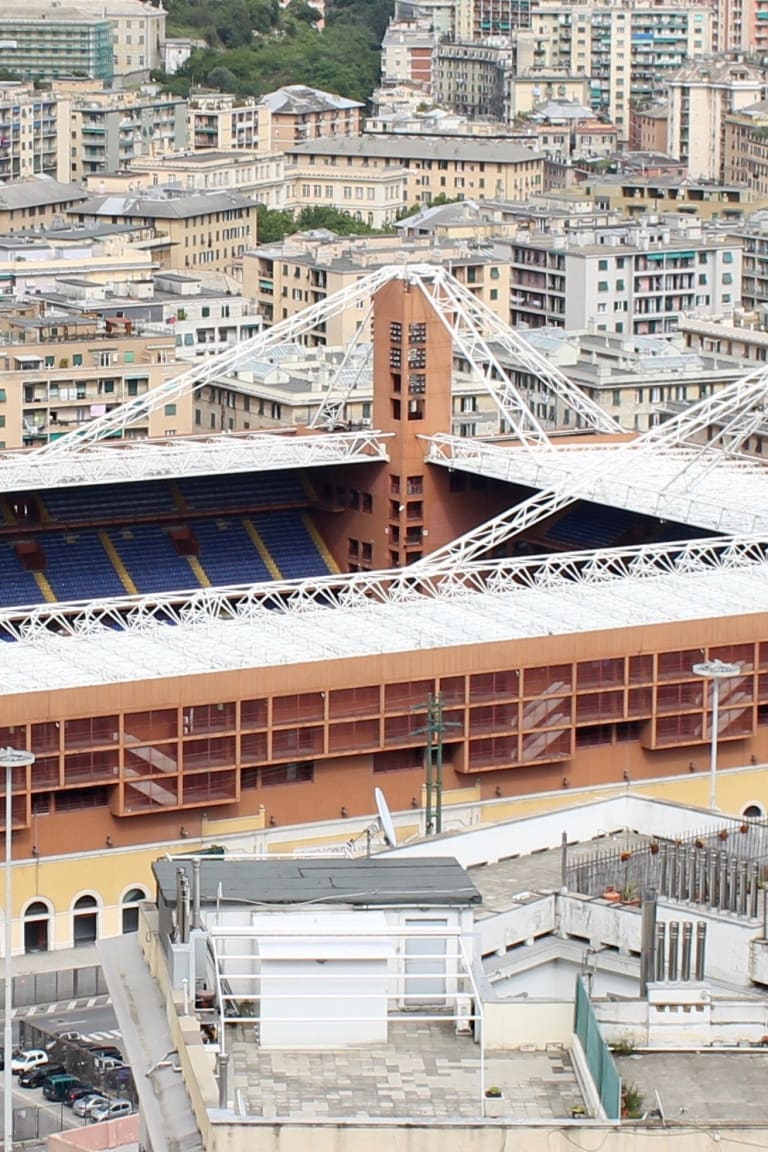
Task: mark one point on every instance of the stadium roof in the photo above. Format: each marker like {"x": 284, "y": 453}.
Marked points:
{"x": 366, "y": 614}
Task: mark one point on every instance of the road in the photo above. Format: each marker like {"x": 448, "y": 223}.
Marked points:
{"x": 97, "y": 1023}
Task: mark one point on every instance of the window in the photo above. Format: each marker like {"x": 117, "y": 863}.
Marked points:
{"x": 36, "y": 927}
{"x": 205, "y": 311}
{"x": 170, "y": 409}
{"x": 130, "y": 906}
{"x": 602, "y": 285}
{"x": 602, "y": 265}
{"x": 85, "y": 921}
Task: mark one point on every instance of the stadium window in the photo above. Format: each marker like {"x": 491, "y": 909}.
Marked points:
{"x": 298, "y": 773}
{"x": 367, "y": 502}
{"x": 170, "y": 410}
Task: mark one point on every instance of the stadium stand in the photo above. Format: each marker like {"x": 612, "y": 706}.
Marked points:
{"x": 106, "y": 504}
{"x": 151, "y": 559}
{"x": 242, "y": 490}
{"x": 78, "y": 568}
{"x": 227, "y": 552}
{"x": 291, "y": 545}
{"x": 17, "y": 586}
{"x": 590, "y": 526}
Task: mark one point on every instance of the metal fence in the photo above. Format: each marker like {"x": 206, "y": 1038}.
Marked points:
{"x": 721, "y": 869}
{"x": 48, "y": 987}
{"x": 599, "y": 1059}
{"x": 80, "y": 1062}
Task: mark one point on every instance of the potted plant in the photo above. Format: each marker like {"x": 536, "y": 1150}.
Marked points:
{"x": 723, "y": 833}
{"x": 631, "y": 1102}
{"x": 625, "y": 856}
{"x": 654, "y": 847}
{"x": 744, "y": 828}
{"x": 611, "y": 895}
{"x": 494, "y": 1101}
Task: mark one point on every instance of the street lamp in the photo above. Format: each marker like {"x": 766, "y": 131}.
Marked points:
{"x": 715, "y": 670}
{"x": 10, "y": 758}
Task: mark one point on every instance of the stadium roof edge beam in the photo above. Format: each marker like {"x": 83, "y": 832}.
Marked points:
{"x": 135, "y": 460}
{"x": 476, "y": 332}
{"x": 363, "y": 614}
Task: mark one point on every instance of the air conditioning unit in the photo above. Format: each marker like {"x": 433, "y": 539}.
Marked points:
{"x": 464, "y": 1021}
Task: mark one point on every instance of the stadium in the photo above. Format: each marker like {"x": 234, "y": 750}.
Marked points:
{"x": 271, "y": 624}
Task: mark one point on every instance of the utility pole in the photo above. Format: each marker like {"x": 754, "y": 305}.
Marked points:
{"x": 434, "y": 730}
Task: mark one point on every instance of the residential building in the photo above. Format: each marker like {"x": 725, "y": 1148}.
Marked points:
{"x": 449, "y": 168}
{"x": 626, "y": 50}
{"x": 374, "y": 196}
{"x": 110, "y": 129}
{"x": 637, "y": 195}
{"x": 630, "y": 377}
{"x": 36, "y": 203}
{"x": 199, "y": 230}
{"x": 138, "y": 33}
{"x": 648, "y": 128}
{"x": 746, "y": 337}
{"x": 43, "y": 41}
{"x": 34, "y": 128}
{"x": 700, "y": 96}
{"x": 225, "y": 123}
{"x": 308, "y": 267}
{"x": 566, "y": 130}
{"x": 299, "y": 114}
{"x": 634, "y": 279}
{"x": 116, "y": 257}
{"x": 406, "y": 53}
{"x": 177, "y": 50}
{"x": 471, "y": 77}
{"x": 257, "y": 174}
{"x": 746, "y": 148}
{"x": 59, "y": 372}
{"x": 752, "y": 234}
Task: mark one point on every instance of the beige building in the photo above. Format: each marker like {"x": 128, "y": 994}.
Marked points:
{"x": 27, "y": 204}
{"x": 700, "y": 96}
{"x": 109, "y": 129}
{"x": 648, "y": 132}
{"x": 635, "y": 196}
{"x": 138, "y": 33}
{"x": 225, "y": 123}
{"x": 246, "y": 173}
{"x": 57, "y": 373}
{"x": 477, "y": 169}
{"x": 746, "y": 148}
{"x": 199, "y": 230}
{"x": 374, "y": 196}
{"x": 306, "y": 268}
{"x": 299, "y": 114}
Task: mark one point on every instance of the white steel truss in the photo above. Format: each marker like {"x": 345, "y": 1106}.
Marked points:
{"x": 318, "y": 598}
{"x": 134, "y": 460}
{"x": 473, "y": 327}
{"x": 663, "y": 473}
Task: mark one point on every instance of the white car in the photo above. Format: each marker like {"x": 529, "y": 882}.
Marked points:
{"x": 110, "y": 1109}
{"x": 25, "y": 1061}
{"x": 85, "y": 1104}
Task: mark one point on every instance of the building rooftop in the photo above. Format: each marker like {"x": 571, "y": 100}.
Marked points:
{"x": 40, "y": 191}
{"x": 701, "y": 1087}
{"x": 300, "y": 100}
{"x": 177, "y": 207}
{"x": 360, "y": 882}
{"x": 400, "y": 148}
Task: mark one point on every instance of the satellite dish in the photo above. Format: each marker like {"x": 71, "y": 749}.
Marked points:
{"x": 385, "y": 818}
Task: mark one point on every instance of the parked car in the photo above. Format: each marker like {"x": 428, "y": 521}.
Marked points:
{"x": 35, "y": 1077}
{"x": 75, "y": 1091}
{"x": 110, "y": 1109}
{"x": 25, "y": 1061}
{"x": 84, "y": 1105}
{"x": 108, "y": 1063}
{"x": 56, "y": 1087}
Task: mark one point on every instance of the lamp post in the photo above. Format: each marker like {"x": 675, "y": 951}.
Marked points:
{"x": 715, "y": 670}
{"x": 10, "y": 758}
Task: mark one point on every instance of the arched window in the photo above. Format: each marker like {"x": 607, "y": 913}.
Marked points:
{"x": 754, "y": 811}
{"x": 130, "y": 905}
{"x": 85, "y": 921}
{"x": 36, "y": 921}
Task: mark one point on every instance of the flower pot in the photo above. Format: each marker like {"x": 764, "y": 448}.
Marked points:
{"x": 494, "y": 1107}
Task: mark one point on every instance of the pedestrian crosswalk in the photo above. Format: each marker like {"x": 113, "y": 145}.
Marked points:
{"x": 92, "y": 1037}
{"x": 61, "y": 1006}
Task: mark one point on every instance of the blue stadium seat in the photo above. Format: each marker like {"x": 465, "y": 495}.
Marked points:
{"x": 227, "y": 552}
{"x": 590, "y": 526}
{"x": 290, "y": 544}
{"x": 77, "y": 567}
{"x": 17, "y": 586}
{"x": 104, "y": 503}
{"x": 244, "y": 490}
{"x": 152, "y": 561}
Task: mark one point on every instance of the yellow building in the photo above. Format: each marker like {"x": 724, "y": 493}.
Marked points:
{"x": 200, "y": 230}
{"x": 745, "y": 147}
{"x": 27, "y": 204}
{"x": 452, "y": 168}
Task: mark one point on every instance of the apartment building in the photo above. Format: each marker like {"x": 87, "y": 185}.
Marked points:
{"x": 198, "y": 230}
{"x": 306, "y": 268}
{"x": 632, "y": 378}
{"x": 57, "y": 373}
{"x": 374, "y": 196}
{"x": 638, "y": 195}
{"x": 478, "y": 169}
{"x": 33, "y": 265}
{"x": 34, "y": 127}
{"x": 700, "y": 96}
{"x": 224, "y": 123}
{"x": 407, "y": 51}
{"x": 43, "y": 41}
{"x": 299, "y": 114}
{"x": 648, "y": 128}
{"x": 626, "y": 50}
{"x": 110, "y": 129}
{"x": 259, "y": 175}
{"x": 36, "y": 203}
{"x": 746, "y": 338}
{"x": 745, "y": 147}
{"x": 138, "y": 33}
{"x": 753, "y": 237}
{"x": 633, "y": 279}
